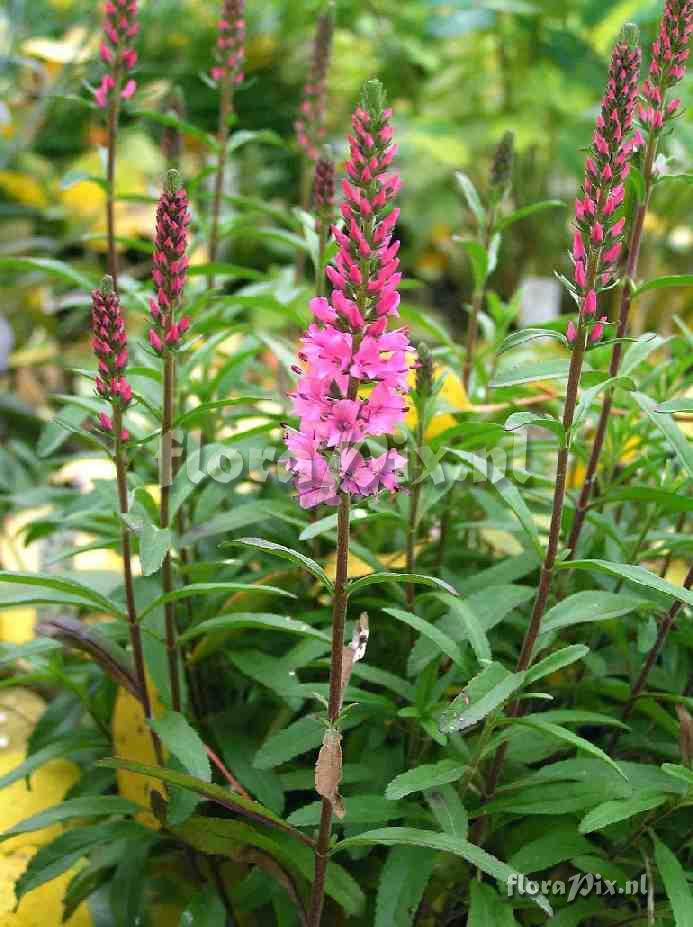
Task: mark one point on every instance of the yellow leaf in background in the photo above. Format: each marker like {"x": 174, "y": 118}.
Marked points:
{"x": 20, "y": 709}
{"x": 24, "y": 188}
{"x": 132, "y": 741}
{"x": 502, "y": 542}
{"x": 17, "y": 624}
{"x": 453, "y": 396}
{"x": 83, "y": 471}
{"x": 357, "y": 567}
{"x": 677, "y": 572}
{"x": 76, "y": 46}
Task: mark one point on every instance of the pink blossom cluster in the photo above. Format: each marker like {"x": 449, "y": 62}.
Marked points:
{"x": 110, "y": 345}
{"x": 230, "y": 49}
{"x": 353, "y": 382}
{"x": 310, "y": 125}
{"x": 170, "y": 266}
{"x": 668, "y": 65}
{"x": 120, "y": 28}
{"x": 599, "y": 219}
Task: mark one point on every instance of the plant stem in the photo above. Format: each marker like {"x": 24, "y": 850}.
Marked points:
{"x": 477, "y": 304}
{"x": 133, "y": 623}
{"x": 662, "y": 634}
{"x": 339, "y": 607}
{"x": 167, "y": 566}
{"x": 414, "y": 497}
{"x": 532, "y": 633}
{"x": 617, "y": 350}
{"x": 225, "y": 105}
{"x": 113, "y": 113}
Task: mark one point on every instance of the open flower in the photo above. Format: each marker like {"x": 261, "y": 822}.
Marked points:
{"x": 353, "y": 382}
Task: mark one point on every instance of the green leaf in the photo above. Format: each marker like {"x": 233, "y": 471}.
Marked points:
{"x": 633, "y": 574}
{"x": 685, "y": 404}
{"x": 266, "y": 621}
{"x": 562, "y": 733}
{"x": 486, "y": 907}
{"x": 525, "y": 335}
{"x": 588, "y": 606}
{"x": 358, "y": 584}
{"x": 675, "y": 884}
{"x": 67, "y": 849}
{"x": 610, "y": 812}
{"x": 358, "y": 809}
{"x": 482, "y": 695}
{"x": 193, "y": 416}
{"x": 67, "y": 810}
{"x": 550, "y": 850}
{"x": 442, "y": 641}
{"x": 526, "y": 211}
{"x": 660, "y": 283}
{"x": 184, "y": 743}
{"x": 298, "y": 738}
{"x": 424, "y": 777}
{"x": 410, "y": 836}
{"x": 203, "y": 589}
{"x": 207, "y": 790}
{"x": 154, "y": 545}
{"x": 403, "y": 879}
{"x": 287, "y": 553}
{"x": 525, "y": 419}
{"x": 554, "y": 369}
{"x": 52, "y": 268}
{"x": 507, "y": 491}
{"x": 479, "y": 260}
{"x": 470, "y": 194}
{"x": 448, "y": 810}
{"x": 206, "y": 909}
{"x": 61, "y": 746}
{"x": 80, "y": 593}
{"x": 671, "y": 431}
{"x": 462, "y": 613}
{"x": 555, "y": 661}
{"x": 638, "y": 352}
{"x": 679, "y": 772}
{"x": 9, "y": 653}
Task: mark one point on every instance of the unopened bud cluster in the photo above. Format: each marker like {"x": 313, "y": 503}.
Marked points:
{"x": 668, "y": 65}
{"x": 310, "y": 125}
{"x": 110, "y": 345}
{"x": 170, "y": 266}
{"x": 230, "y": 47}
{"x": 116, "y": 51}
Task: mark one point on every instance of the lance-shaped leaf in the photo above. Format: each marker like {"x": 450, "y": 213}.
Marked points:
{"x": 419, "y": 578}
{"x": 483, "y": 694}
{"x": 202, "y": 589}
{"x": 43, "y": 583}
{"x": 286, "y": 553}
{"x": 110, "y": 656}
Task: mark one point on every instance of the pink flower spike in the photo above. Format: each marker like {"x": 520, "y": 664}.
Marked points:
{"x": 590, "y": 304}
{"x": 578, "y": 247}
{"x": 571, "y": 332}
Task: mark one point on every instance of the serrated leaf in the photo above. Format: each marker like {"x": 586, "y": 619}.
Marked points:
{"x": 294, "y": 740}
{"x": 611, "y": 812}
{"x": 424, "y": 777}
{"x": 410, "y": 836}
{"x": 68, "y": 809}
{"x": 555, "y": 661}
{"x": 183, "y": 741}
{"x": 589, "y": 606}
{"x": 675, "y": 883}
{"x": 403, "y": 879}
{"x": 484, "y": 694}
{"x": 155, "y": 543}
{"x": 563, "y": 734}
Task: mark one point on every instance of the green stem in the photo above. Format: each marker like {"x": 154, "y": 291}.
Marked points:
{"x": 617, "y": 350}
{"x": 133, "y": 623}
{"x": 167, "y": 566}
{"x": 225, "y": 105}
{"x": 414, "y": 498}
{"x": 339, "y": 608}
